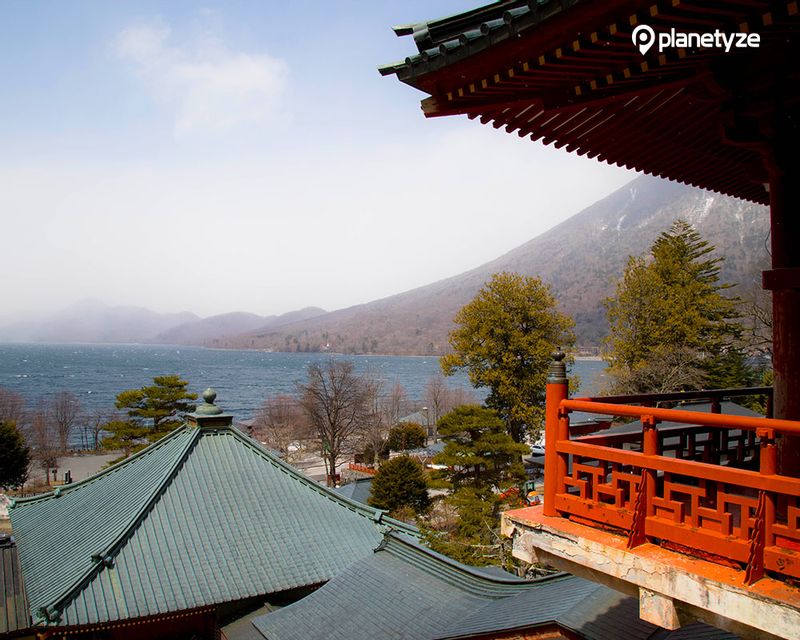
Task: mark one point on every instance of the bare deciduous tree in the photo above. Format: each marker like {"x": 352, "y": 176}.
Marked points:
{"x": 433, "y": 397}
{"x": 43, "y": 438}
{"x": 91, "y": 435}
{"x": 383, "y": 411}
{"x": 282, "y": 425}
{"x": 335, "y": 402}
{"x": 395, "y": 405}
{"x": 12, "y": 407}
{"x": 756, "y": 308}
{"x": 441, "y": 399}
{"x": 373, "y": 430}
{"x": 65, "y": 412}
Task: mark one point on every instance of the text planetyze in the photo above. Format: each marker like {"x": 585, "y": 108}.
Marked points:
{"x": 644, "y": 37}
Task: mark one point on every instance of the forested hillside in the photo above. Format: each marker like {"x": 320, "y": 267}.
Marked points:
{"x": 580, "y": 258}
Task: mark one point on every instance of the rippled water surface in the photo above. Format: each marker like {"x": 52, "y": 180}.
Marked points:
{"x": 242, "y": 379}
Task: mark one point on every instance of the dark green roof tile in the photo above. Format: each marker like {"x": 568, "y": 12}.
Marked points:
{"x": 403, "y": 591}
{"x": 202, "y": 517}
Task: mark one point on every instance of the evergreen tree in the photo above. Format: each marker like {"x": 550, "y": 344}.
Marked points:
{"x": 478, "y": 451}
{"x": 15, "y": 456}
{"x": 473, "y": 536}
{"x": 481, "y": 459}
{"x": 128, "y": 435}
{"x": 160, "y": 404}
{"x": 403, "y": 437}
{"x": 671, "y": 327}
{"x": 400, "y": 482}
{"x": 504, "y": 339}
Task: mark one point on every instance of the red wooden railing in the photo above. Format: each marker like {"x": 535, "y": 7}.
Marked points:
{"x": 354, "y": 466}
{"x": 706, "y": 485}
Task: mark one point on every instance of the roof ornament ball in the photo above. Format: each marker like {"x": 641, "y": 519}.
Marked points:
{"x": 558, "y": 368}
{"x": 208, "y": 408}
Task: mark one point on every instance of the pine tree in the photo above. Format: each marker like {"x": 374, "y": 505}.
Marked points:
{"x": 15, "y": 456}
{"x": 160, "y": 404}
{"x": 670, "y": 324}
{"x": 481, "y": 460}
{"x": 400, "y": 482}
{"x": 478, "y": 451}
{"x": 128, "y": 435}
{"x": 473, "y": 536}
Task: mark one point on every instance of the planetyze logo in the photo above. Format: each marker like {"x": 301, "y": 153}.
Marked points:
{"x": 644, "y": 37}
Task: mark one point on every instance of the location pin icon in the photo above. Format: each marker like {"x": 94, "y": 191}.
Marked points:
{"x": 643, "y": 37}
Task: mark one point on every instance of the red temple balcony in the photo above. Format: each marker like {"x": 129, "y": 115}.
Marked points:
{"x": 686, "y": 509}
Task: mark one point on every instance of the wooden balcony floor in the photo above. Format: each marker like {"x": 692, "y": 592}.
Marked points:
{"x": 673, "y": 588}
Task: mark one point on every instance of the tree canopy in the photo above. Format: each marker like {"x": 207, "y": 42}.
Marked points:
{"x": 481, "y": 459}
{"x": 128, "y": 435}
{"x": 15, "y": 456}
{"x": 504, "y": 340}
{"x": 153, "y": 412}
{"x": 671, "y": 327}
{"x": 160, "y": 403}
{"x": 400, "y": 482}
{"x": 478, "y": 452}
{"x": 405, "y": 436}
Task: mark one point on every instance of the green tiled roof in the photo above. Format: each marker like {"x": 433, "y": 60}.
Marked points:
{"x": 203, "y": 516}
{"x": 407, "y": 592}
{"x": 447, "y": 40}
{"x": 13, "y": 606}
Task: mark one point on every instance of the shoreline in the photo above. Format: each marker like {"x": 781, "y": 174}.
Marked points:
{"x": 243, "y": 349}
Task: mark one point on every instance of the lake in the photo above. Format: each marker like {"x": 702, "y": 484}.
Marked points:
{"x": 96, "y": 373}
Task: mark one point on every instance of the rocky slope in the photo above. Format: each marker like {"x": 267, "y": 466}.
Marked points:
{"x": 581, "y": 259}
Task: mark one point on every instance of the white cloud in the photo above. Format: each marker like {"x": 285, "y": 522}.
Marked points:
{"x": 209, "y": 88}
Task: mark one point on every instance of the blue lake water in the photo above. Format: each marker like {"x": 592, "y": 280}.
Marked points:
{"x": 242, "y": 379}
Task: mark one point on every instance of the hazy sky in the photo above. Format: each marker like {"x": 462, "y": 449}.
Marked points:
{"x": 225, "y": 156}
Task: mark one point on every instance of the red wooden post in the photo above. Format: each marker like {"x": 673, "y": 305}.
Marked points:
{"x": 769, "y": 466}
{"x": 557, "y": 390}
{"x": 765, "y": 513}
{"x": 783, "y": 281}
{"x": 650, "y": 448}
{"x": 562, "y": 459}
{"x": 643, "y": 500}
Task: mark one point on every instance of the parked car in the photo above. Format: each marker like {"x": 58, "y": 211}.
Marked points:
{"x": 537, "y": 449}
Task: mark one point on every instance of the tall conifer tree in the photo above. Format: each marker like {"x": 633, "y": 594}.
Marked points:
{"x": 671, "y": 326}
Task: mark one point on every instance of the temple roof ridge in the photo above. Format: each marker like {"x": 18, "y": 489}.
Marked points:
{"x": 139, "y": 539}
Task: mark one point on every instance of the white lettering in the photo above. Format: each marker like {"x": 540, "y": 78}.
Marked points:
{"x": 644, "y": 37}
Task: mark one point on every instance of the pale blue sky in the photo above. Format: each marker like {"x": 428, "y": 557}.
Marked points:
{"x": 227, "y": 156}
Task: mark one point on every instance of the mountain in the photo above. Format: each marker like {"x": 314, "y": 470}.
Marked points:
{"x": 94, "y": 321}
{"x": 581, "y": 258}
{"x": 215, "y": 329}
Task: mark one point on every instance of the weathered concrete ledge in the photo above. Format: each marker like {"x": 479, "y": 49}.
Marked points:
{"x": 673, "y": 589}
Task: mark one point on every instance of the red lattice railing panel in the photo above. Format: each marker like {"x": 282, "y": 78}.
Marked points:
{"x": 708, "y": 484}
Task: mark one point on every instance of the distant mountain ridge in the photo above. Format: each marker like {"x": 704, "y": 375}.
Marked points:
{"x": 94, "y": 321}
{"x": 91, "y": 321}
{"x": 214, "y": 330}
{"x": 581, "y": 258}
